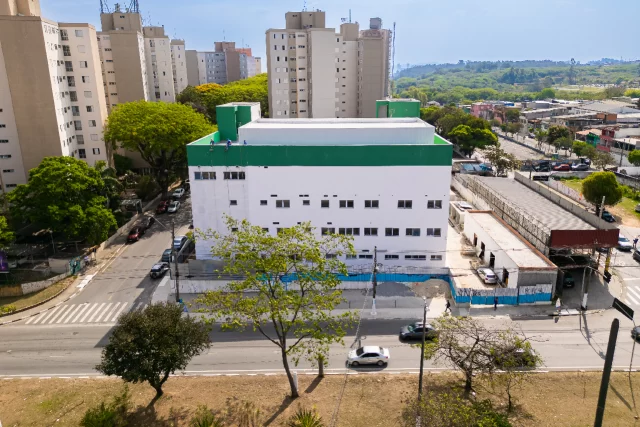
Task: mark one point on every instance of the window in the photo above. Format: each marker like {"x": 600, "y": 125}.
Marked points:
{"x": 306, "y": 203}
{"x": 74, "y": 96}
{"x": 75, "y": 110}
{"x": 351, "y": 257}
{"x": 8, "y": 170}
{"x": 4, "y": 141}
{"x": 405, "y": 204}
{"x": 78, "y": 124}
{"x": 365, "y": 256}
{"x": 234, "y": 229}
{"x": 346, "y": 204}
{"x": 80, "y": 139}
{"x": 92, "y": 123}
{"x": 436, "y": 257}
{"x": 68, "y": 65}
{"x": 282, "y": 203}
{"x": 197, "y": 175}
{"x": 3, "y": 126}
{"x": 89, "y": 109}
{"x": 434, "y": 204}
{"x": 370, "y": 231}
{"x": 11, "y": 185}
{"x": 234, "y": 175}
{"x": 391, "y": 257}
{"x": 413, "y": 232}
{"x": 208, "y": 175}
{"x": 96, "y": 151}
{"x": 64, "y": 35}
{"x": 233, "y": 202}
{"x": 415, "y": 257}
{"x": 78, "y": 33}
{"x": 349, "y": 231}
{"x": 87, "y": 94}
{"x": 85, "y": 79}
{"x": 391, "y": 231}
{"x": 330, "y": 256}
{"x": 82, "y": 153}
{"x": 66, "y": 50}
{"x": 324, "y": 203}
{"x": 263, "y": 203}
{"x": 83, "y": 64}
{"x": 435, "y": 232}
{"x": 326, "y": 231}
{"x": 265, "y": 229}
{"x": 5, "y": 156}
{"x": 71, "y": 80}
{"x": 94, "y": 137}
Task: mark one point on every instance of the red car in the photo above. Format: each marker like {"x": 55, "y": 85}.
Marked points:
{"x": 564, "y": 167}
{"x": 135, "y": 234}
{"x": 162, "y": 207}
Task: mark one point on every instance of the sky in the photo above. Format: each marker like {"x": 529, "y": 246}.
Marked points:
{"x": 427, "y": 31}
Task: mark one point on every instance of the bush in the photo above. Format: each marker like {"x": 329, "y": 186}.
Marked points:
{"x": 204, "y": 417}
{"x": 7, "y": 309}
{"x": 305, "y": 418}
{"x": 109, "y": 415}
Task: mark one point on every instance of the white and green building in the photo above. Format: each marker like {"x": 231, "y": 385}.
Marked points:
{"x": 384, "y": 181}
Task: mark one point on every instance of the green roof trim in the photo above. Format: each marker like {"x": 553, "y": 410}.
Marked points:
{"x": 206, "y": 140}
{"x": 438, "y": 140}
{"x": 439, "y": 154}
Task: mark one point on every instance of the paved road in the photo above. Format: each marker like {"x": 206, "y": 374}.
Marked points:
{"x": 73, "y": 350}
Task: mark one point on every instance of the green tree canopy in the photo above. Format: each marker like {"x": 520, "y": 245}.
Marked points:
{"x": 634, "y": 157}
{"x": 547, "y": 93}
{"x": 67, "y": 196}
{"x": 599, "y": 185}
{"x": 158, "y": 131}
{"x": 469, "y": 139}
{"x": 557, "y": 132}
{"x": 579, "y": 147}
{"x": 151, "y": 344}
{"x": 513, "y": 115}
{"x": 564, "y": 143}
{"x": 298, "y": 317}
{"x": 603, "y": 159}
{"x": 6, "y": 235}
{"x": 501, "y": 161}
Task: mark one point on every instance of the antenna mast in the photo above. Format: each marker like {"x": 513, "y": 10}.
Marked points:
{"x": 104, "y": 7}
{"x": 304, "y": 7}
{"x": 134, "y": 7}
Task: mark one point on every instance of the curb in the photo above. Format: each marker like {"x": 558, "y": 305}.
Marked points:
{"x": 39, "y": 304}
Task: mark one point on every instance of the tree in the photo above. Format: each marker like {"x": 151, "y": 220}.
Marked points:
{"x": 468, "y": 345}
{"x": 146, "y": 187}
{"x": 603, "y": 159}
{"x": 150, "y": 345}
{"x": 513, "y": 128}
{"x": 564, "y": 143}
{"x": 599, "y": 185}
{"x": 547, "y": 93}
{"x": 6, "y": 235}
{"x": 123, "y": 164}
{"x": 67, "y": 196}
{"x": 513, "y": 115}
{"x": 541, "y": 136}
{"x": 501, "y": 161}
{"x": 614, "y": 92}
{"x": 579, "y": 147}
{"x": 469, "y": 139}
{"x": 634, "y": 157}
{"x": 112, "y": 186}
{"x": 297, "y": 317}
{"x": 590, "y": 152}
{"x": 158, "y": 131}
{"x": 557, "y": 132}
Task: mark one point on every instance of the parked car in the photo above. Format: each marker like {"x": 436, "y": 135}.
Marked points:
{"x": 178, "y": 193}
{"x": 580, "y": 167}
{"x": 606, "y": 215}
{"x": 179, "y": 242}
{"x": 563, "y": 167}
{"x": 368, "y": 355}
{"x": 635, "y": 333}
{"x": 134, "y": 234}
{"x": 166, "y": 255}
{"x": 173, "y": 207}
{"x": 414, "y": 332}
{"x": 636, "y": 255}
{"x": 488, "y": 276}
{"x": 162, "y": 207}
{"x": 624, "y": 244}
{"x": 543, "y": 166}
{"x": 159, "y": 270}
{"x": 146, "y": 222}
{"x": 568, "y": 281}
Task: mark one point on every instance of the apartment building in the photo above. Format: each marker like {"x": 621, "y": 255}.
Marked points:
{"x": 179, "y": 66}
{"x": 315, "y": 72}
{"x": 159, "y": 64}
{"x": 224, "y": 64}
{"x": 51, "y": 92}
{"x": 345, "y": 176}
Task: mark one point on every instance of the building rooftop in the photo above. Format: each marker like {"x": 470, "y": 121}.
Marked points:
{"x": 609, "y": 106}
{"x": 549, "y": 214}
{"x": 513, "y": 245}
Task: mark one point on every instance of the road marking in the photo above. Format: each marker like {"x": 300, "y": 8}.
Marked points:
{"x": 115, "y": 317}
{"x": 37, "y": 316}
{"x": 164, "y": 281}
{"x": 93, "y": 306}
{"x": 85, "y": 281}
{"x": 53, "y": 319}
{"x": 102, "y": 313}
{"x": 86, "y": 305}
{"x": 66, "y": 320}
{"x": 115, "y": 307}
{"x": 632, "y": 294}
{"x": 99, "y": 311}
{"x": 66, "y": 314}
{"x": 49, "y": 315}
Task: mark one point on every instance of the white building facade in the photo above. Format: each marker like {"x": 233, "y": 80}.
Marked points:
{"x": 179, "y": 65}
{"x": 159, "y": 61}
{"x": 383, "y": 181}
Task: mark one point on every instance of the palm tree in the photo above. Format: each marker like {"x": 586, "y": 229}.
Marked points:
{"x": 112, "y": 186}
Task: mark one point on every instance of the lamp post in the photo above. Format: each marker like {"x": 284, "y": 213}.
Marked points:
{"x": 424, "y": 337}
{"x": 374, "y": 279}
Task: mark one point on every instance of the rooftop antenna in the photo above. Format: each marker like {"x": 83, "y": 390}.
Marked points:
{"x": 134, "y": 7}
{"x": 304, "y": 7}
{"x": 104, "y": 7}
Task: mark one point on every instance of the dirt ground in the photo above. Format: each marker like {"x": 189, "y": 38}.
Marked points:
{"x": 434, "y": 288}
{"x": 546, "y": 399}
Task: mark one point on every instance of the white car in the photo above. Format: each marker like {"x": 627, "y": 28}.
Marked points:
{"x": 488, "y": 276}
{"x": 173, "y": 207}
{"x": 178, "y": 193}
{"x": 179, "y": 242}
{"x": 624, "y": 244}
{"x": 368, "y": 355}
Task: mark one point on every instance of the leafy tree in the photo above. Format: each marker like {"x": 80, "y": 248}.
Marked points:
{"x": 603, "y": 159}
{"x": 159, "y": 132}
{"x": 112, "y": 186}
{"x": 295, "y": 317}
{"x": 448, "y": 409}
{"x": 67, "y": 196}
{"x": 469, "y": 139}
{"x": 513, "y": 115}
{"x": 513, "y": 128}
{"x": 557, "y": 132}
{"x": 6, "y": 235}
{"x": 541, "y": 136}
{"x": 547, "y": 93}
{"x": 599, "y": 185}
{"x": 471, "y": 347}
{"x": 150, "y": 345}
{"x": 147, "y": 187}
{"x": 431, "y": 114}
{"x": 590, "y": 152}
{"x": 123, "y": 164}
{"x": 579, "y": 147}
{"x": 564, "y": 143}
{"x": 634, "y": 157}
{"x": 614, "y": 92}
{"x": 501, "y": 161}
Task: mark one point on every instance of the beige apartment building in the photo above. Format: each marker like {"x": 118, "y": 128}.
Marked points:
{"x": 315, "y": 72}
{"x": 51, "y": 91}
{"x": 223, "y": 65}
{"x": 179, "y": 65}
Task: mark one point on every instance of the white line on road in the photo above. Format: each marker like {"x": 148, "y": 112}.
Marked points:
{"x": 67, "y": 318}
{"x": 48, "y": 315}
{"x": 38, "y": 317}
{"x": 633, "y": 294}
{"x": 115, "y": 308}
{"x": 164, "y": 281}
{"x": 104, "y": 312}
{"x": 85, "y": 281}
{"x": 84, "y": 308}
{"x": 93, "y": 306}
{"x": 66, "y": 314}
{"x": 96, "y": 312}
{"x": 115, "y": 317}
{"x": 62, "y": 310}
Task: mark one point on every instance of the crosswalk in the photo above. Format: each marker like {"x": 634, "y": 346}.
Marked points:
{"x": 84, "y": 313}
{"x": 633, "y": 295}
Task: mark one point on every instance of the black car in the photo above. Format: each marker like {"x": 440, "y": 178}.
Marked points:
{"x": 635, "y": 333}
{"x": 159, "y": 270}
{"x": 636, "y": 255}
{"x": 166, "y": 255}
{"x": 147, "y": 222}
{"x": 414, "y": 332}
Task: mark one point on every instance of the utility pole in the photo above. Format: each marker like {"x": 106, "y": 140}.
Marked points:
{"x": 606, "y": 373}
{"x": 424, "y": 337}
{"x": 175, "y": 259}
{"x": 374, "y": 279}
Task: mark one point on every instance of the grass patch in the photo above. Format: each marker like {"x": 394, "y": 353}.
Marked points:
{"x": 36, "y": 297}
{"x": 368, "y": 400}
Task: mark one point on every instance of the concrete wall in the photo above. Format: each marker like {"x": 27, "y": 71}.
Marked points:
{"x": 322, "y": 74}
{"x": 29, "y": 288}
{"x": 373, "y": 72}
{"x": 130, "y": 66}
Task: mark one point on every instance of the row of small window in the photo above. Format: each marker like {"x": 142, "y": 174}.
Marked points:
{"x": 212, "y": 175}
{"x": 300, "y": 46}
{"x": 389, "y": 257}
{"x": 349, "y": 204}
{"x": 291, "y": 36}
{"x": 388, "y": 232}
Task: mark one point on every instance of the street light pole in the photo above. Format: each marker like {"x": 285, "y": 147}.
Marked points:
{"x": 374, "y": 279}
{"x": 175, "y": 259}
{"x": 424, "y": 337}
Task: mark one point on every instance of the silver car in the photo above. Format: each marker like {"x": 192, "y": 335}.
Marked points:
{"x": 488, "y": 276}
{"x": 368, "y": 355}
{"x": 173, "y": 207}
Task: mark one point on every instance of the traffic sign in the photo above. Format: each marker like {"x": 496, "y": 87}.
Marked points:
{"x": 623, "y": 308}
